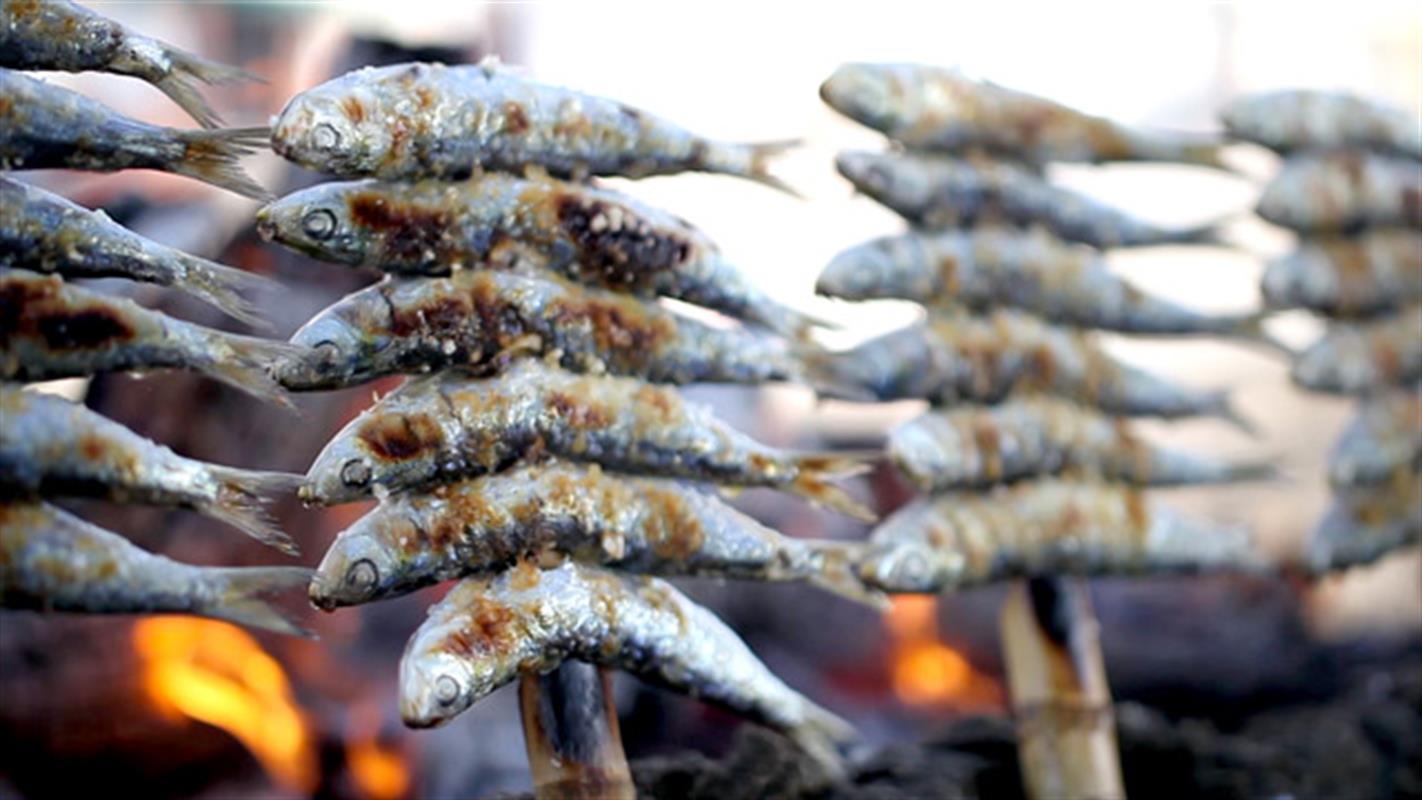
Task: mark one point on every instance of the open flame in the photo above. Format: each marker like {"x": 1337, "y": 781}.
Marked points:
{"x": 924, "y": 670}
{"x": 216, "y": 673}
{"x": 378, "y": 763}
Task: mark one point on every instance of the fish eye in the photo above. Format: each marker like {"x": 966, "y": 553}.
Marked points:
{"x": 446, "y": 690}
{"x": 319, "y": 224}
{"x": 355, "y": 472}
{"x": 325, "y": 136}
{"x": 327, "y": 351}
{"x": 912, "y": 569}
{"x": 362, "y": 576}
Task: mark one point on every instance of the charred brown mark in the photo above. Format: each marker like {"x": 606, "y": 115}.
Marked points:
{"x": 987, "y": 439}
{"x": 37, "y": 309}
{"x": 515, "y": 118}
{"x": 353, "y": 109}
{"x": 673, "y": 531}
{"x": 490, "y": 629}
{"x": 579, "y": 414}
{"x": 400, "y": 437}
{"x": 411, "y": 233}
{"x": 615, "y": 241}
{"x": 620, "y": 326}
{"x": 1137, "y": 511}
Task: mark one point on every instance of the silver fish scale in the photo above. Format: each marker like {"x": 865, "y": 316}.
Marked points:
{"x": 1321, "y": 120}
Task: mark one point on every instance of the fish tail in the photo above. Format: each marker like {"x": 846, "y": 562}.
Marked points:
{"x": 247, "y": 363}
{"x": 243, "y": 593}
{"x": 786, "y": 321}
{"x": 211, "y": 156}
{"x": 1251, "y": 329}
{"x": 832, "y": 374}
{"x": 223, "y": 287}
{"x": 832, "y": 566}
{"x": 242, "y": 496}
{"x": 818, "y": 736}
{"x": 811, "y": 482}
{"x": 753, "y": 161}
{"x": 1220, "y": 404}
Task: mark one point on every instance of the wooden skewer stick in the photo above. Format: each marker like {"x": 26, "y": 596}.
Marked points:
{"x": 571, "y": 734}
{"x": 1066, "y": 731}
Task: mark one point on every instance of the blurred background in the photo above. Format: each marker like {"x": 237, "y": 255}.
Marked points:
{"x": 188, "y": 708}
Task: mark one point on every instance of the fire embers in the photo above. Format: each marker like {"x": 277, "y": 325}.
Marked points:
{"x": 53, "y": 448}
{"x": 548, "y": 456}
{"x": 1351, "y": 188}
{"x": 990, "y": 257}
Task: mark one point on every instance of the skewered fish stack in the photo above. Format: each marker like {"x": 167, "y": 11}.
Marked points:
{"x": 52, "y": 449}
{"x": 1028, "y": 456}
{"x": 540, "y": 451}
{"x": 1350, "y": 187}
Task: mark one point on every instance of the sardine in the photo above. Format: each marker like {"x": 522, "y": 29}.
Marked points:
{"x": 973, "y": 447}
{"x": 477, "y": 319}
{"x": 935, "y": 108}
{"x": 1344, "y": 191}
{"x": 1304, "y": 119}
{"x": 937, "y": 192}
{"x": 983, "y": 358}
{"x": 553, "y": 510}
{"x": 50, "y": 329}
{"x": 52, "y": 447}
{"x": 1366, "y": 523}
{"x": 43, "y": 126}
{"x": 435, "y": 121}
{"x": 59, "y": 35}
{"x": 44, "y": 232}
{"x": 987, "y": 268}
{"x": 446, "y": 427}
{"x": 1364, "y": 357}
{"x": 50, "y": 560}
{"x": 1384, "y": 440}
{"x": 484, "y": 634}
{"x": 1373, "y": 272}
{"x": 593, "y": 236}
{"x": 1050, "y": 527}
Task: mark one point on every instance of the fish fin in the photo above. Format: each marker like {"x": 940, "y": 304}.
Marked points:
{"x": 243, "y": 596}
{"x": 761, "y": 154}
{"x": 211, "y": 156}
{"x": 222, "y": 286}
{"x": 832, "y": 567}
{"x": 246, "y": 363}
{"x": 817, "y": 737}
{"x": 812, "y": 484}
{"x": 241, "y": 502}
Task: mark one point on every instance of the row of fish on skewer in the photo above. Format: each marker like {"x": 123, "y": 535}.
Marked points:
{"x": 1350, "y": 189}
{"x": 1028, "y": 456}
{"x": 52, "y": 448}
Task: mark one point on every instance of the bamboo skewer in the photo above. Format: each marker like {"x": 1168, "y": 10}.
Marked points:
{"x": 571, "y": 734}
{"x": 1065, "y": 726}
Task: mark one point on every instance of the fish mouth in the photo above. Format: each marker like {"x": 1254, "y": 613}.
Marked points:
{"x": 266, "y": 228}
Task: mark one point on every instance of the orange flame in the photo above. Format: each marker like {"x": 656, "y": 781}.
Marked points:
{"x": 379, "y": 771}
{"x": 216, "y": 673}
{"x": 926, "y": 672}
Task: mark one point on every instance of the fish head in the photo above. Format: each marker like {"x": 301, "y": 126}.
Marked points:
{"x": 346, "y": 344}
{"x": 930, "y": 448}
{"x": 871, "y": 173}
{"x": 871, "y": 94}
{"x": 864, "y": 272}
{"x": 452, "y": 661}
{"x": 391, "y": 446}
{"x": 912, "y": 566}
{"x": 317, "y": 222}
{"x": 341, "y": 127}
{"x": 365, "y": 562}
{"x": 435, "y": 686}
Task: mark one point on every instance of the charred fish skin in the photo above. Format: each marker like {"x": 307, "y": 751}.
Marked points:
{"x": 939, "y": 109}
{"x": 1341, "y": 192}
{"x": 1030, "y": 270}
{"x": 1366, "y": 523}
{"x": 592, "y": 236}
{"x": 1364, "y": 357}
{"x": 51, "y": 560}
{"x": 50, "y": 329}
{"x": 1304, "y": 119}
{"x": 60, "y": 35}
{"x": 43, "y": 126}
{"x": 447, "y": 427}
{"x": 648, "y": 526}
{"x": 1384, "y": 440}
{"x": 483, "y": 634}
{"x": 962, "y": 539}
{"x": 44, "y": 232}
{"x": 984, "y": 358}
{"x": 1373, "y": 272}
{"x": 420, "y": 120}
{"x": 50, "y": 446}
{"x": 474, "y": 319}
{"x": 976, "y": 447}
{"x": 937, "y": 193}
